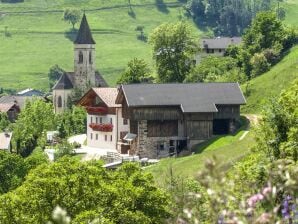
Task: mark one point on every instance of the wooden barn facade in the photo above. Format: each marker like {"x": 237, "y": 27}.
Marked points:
{"x": 167, "y": 118}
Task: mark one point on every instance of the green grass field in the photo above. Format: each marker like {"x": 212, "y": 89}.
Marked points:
{"x": 41, "y": 39}
{"x": 270, "y": 84}
{"x": 226, "y": 149}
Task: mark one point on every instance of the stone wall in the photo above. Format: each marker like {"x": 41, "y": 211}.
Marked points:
{"x": 147, "y": 146}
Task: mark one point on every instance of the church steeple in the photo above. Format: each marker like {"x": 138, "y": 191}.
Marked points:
{"x": 84, "y": 57}
{"x": 84, "y": 35}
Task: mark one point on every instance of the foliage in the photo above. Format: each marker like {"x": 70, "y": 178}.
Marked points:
{"x": 227, "y": 18}
{"x": 12, "y": 171}
{"x": 36, "y": 158}
{"x": 137, "y": 71}
{"x": 277, "y": 135}
{"x": 64, "y": 149}
{"x": 259, "y": 64}
{"x": 71, "y": 122}
{"x": 4, "y": 122}
{"x": 34, "y": 120}
{"x": 72, "y": 16}
{"x": 173, "y": 51}
{"x": 54, "y": 74}
{"x": 214, "y": 68}
{"x": 262, "y": 88}
{"x": 264, "y": 42}
{"x": 85, "y": 190}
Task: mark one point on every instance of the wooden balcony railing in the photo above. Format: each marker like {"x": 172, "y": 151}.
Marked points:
{"x": 97, "y": 110}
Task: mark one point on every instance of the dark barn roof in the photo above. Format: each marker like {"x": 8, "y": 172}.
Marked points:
{"x": 220, "y": 42}
{"x": 65, "y": 81}
{"x": 84, "y": 35}
{"x": 196, "y": 97}
{"x": 17, "y": 100}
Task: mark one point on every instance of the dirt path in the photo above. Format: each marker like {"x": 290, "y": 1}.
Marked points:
{"x": 254, "y": 119}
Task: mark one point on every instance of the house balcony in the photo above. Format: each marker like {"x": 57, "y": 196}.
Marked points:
{"x": 101, "y": 127}
{"x": 97, "y": 110}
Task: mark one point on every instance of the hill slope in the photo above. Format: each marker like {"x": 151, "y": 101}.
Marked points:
{"x": 270, "y": 84}
{"x": 39, "y": 38}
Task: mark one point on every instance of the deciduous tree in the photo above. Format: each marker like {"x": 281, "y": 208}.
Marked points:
{"x": 173, "y": 51}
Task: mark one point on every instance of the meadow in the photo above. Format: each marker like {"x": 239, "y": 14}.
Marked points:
{"x": 264, "y": 88}
{"x": 38, "y": 37}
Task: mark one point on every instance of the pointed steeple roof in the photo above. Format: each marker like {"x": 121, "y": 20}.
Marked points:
{"x": 84, "y": 35}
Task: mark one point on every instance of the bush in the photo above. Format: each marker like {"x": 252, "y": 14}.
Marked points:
{"x": 259, "y": 64}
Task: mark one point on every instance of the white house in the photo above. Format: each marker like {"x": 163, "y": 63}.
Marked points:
{"x": 105, "y": 125}
{"x": 5, "y": 141}
{"x": 216, "y": 46}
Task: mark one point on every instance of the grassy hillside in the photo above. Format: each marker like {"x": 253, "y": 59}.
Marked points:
{"x": 291, "y": 7}
{"x": 270, "y": 84}
{"x": 40, "y": 38}
{"x": 226, "y": 149}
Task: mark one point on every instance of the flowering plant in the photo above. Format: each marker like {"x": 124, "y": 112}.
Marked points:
{"x": 101, "y": 127}
{"x": 97, "y": 110}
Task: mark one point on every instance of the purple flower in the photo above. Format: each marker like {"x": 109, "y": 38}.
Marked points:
{"x": 287, "y": 207}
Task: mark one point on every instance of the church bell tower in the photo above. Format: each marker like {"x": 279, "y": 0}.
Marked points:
{"x": 84, "y": 57}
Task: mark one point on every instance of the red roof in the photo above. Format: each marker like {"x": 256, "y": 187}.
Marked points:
{"x": 108, "y": 96}
{"x": 5, "y": 107}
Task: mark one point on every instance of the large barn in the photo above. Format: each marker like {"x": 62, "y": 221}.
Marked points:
{"x": 167, "y": 118}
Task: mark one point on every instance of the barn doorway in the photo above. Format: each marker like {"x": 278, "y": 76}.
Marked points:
{"x": 221, "y": 126}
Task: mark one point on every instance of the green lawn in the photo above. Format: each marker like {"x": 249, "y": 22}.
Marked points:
{"x": 270, "y": 84}
{"x": 40, "y": 40}
{"x": 291, "y": 7}
{"x": 227, "y": 149}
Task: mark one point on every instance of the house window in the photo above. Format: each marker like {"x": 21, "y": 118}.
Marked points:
{"x": 219, "y": 50}
{"x": 59, "y": 101}
{"x": 100, "y": 120}
{"x": 106, "y": 138}
{"x": 91, "y": 119}
{"x": 211, "y": 51}
{"x": 111, "y": 138}
{"x": 111, "y": 120}
{"x": 80, "y": 57}
{"x": 90, "y": 58}
{"x": 96, "y": 120}
{"x": 96, "y": 136}
{"x": 91, "y": 136}
{"x": 125, "y": 122}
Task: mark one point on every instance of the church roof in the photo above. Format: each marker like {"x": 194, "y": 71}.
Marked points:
{"x": 64, "y": 82}
{"x": 84, "y": 35}
{"x": 100, "y": 81}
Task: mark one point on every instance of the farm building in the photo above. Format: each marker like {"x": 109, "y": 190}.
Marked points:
{"x": 167, "y": 118}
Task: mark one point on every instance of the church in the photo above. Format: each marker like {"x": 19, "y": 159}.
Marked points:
{"x": 75, "y": 84}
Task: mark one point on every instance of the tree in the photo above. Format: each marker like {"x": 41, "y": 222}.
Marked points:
{"x": 72, "y": 16}
{"x": 265, "y": 32}
{"x": 277, "y": 134}
{"x": 88, "y": 192}
{"x": 64, "y": 149}
{"x": 71, "y": 122}
{"x": 54, "y": 74}
{"x": 12, "y": 171}
{"x": 36, "y": 118}
{"x": 4, "y": 122}
{"x": 137, "y": 71}
{"x": 173, "y": 51}
{"x": 212, "y": 69}
{"x": 259, "y": 64}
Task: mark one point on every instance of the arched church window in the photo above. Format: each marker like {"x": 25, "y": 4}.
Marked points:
{"x": 59, "y": 101}
{"x": 90, "y": 58}
{"x": 80, "y": 57}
